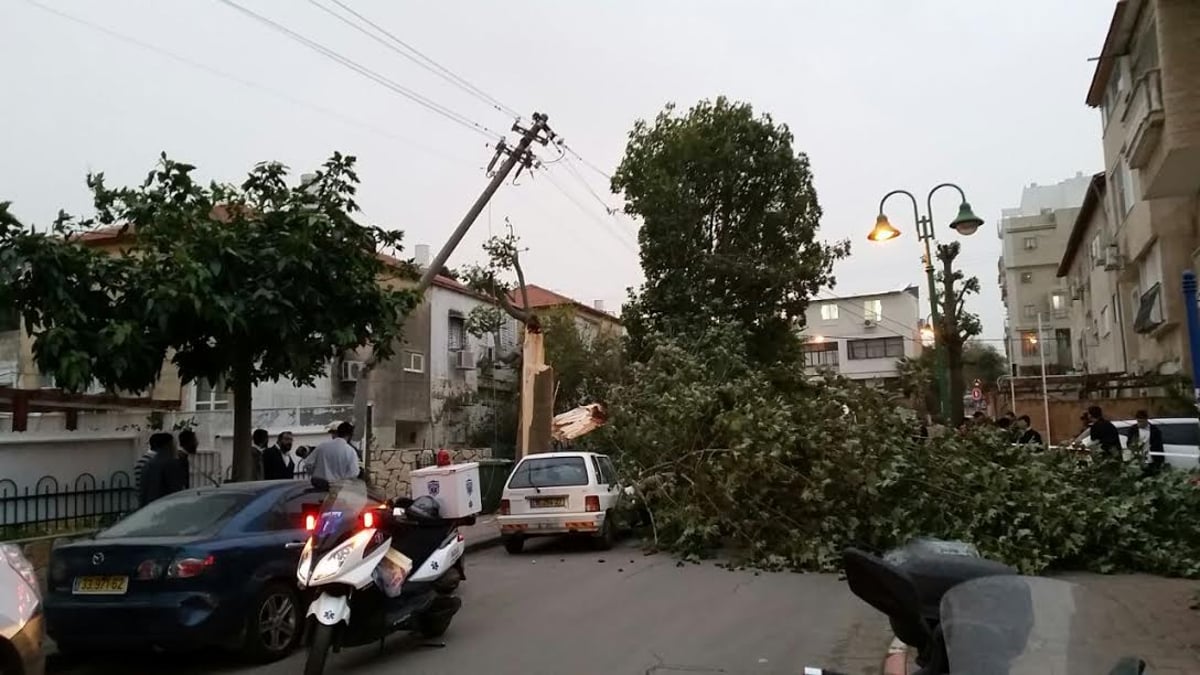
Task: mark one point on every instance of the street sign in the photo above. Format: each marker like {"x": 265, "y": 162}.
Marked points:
{"x": 976, "y": 394}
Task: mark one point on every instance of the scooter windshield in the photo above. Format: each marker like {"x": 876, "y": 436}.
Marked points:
{"x": 1011, "y": 625}
{"x": 340, "y": 515}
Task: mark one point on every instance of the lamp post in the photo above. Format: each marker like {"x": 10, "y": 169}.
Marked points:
{"x": 966, "y": 223}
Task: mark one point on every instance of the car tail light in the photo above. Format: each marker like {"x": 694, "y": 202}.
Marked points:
{"x": 368, "y": 520}
{"x": 591, "y": 503}
{"x": 186, "y": 568}
{"x": 505, "y": 507}
{"x": 148, "y": 570}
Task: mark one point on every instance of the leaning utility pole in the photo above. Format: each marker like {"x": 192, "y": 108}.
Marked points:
{"x": 520, "y": 156}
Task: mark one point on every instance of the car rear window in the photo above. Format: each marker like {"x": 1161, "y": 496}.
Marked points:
{"x": 181, "y": 514}
{"x": 540, "y": 472}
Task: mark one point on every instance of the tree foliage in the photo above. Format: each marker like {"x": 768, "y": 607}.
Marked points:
{"x": 785, "y": 471}
{"x": 586, "y": 363}
{"x": 249, "y": 283}
{"x": 917, "y": 376}
{"x": 729, "y": 222}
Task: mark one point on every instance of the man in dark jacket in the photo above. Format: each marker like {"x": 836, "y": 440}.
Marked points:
{"x": 1147, "y": 438}
{"x": 1027, "y": 434}
{"x": 1103, "y": 434}
{"x": 277, "y": 461}
{"x": 161, "y": 475}
{"x": 188, "y": 444}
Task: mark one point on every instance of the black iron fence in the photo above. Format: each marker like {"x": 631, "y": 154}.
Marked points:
{"x": 51, "y": 506}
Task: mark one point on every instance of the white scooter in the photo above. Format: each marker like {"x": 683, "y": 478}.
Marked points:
{"x": 359, "y": 561}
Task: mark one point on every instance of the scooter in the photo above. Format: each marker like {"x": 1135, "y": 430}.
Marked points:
{"x": 377, "y": 568}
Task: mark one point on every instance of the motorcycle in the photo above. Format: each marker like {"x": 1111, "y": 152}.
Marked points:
{"x": 376, "y": 568}
{"x": 966, "y": 614}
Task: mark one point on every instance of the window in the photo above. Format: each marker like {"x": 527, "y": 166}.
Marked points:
{"x": 1058, "y": 302}
{"x": 210, "y": 397}
{"x": 1094, "y": 256}
{"x": 542, "y": 472}
{"x": 1030, "y": 311}
{"x": 829, "y": 312}
{"x": 1029, "y": 243}
{"x": 1026, "y": 277}
{"x": 456, "y": 339}
{"x": 1123, "y": 193}
{"x": 872, "y": 310}
{"x": 605, "y": 473}
{"x": 181, "y": 514}
{"x": 1029, "y": 343}
{"x": 1105, "y": 321}
{"x": 876, "y": 348}
{"x": 820, "y": 354}
{"x": 1149, "y": 310}
{"x": 1180, "y": 433}
{"x": 289, "y": 513}
{"x": 414, "y": 362}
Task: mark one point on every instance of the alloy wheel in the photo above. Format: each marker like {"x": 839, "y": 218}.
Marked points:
{"x": 277, "y": 622}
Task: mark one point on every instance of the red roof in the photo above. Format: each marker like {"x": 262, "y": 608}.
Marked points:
{"x": 543, "y": 297}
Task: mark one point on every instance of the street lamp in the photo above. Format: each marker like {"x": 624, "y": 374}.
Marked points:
{"x": 966, "y": 224}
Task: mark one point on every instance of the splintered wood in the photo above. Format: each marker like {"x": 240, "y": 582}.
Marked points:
{"x": 578, "y": 422}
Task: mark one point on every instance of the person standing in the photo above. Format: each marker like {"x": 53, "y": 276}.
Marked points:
{"x": 160, "y": 475}
{"x": 139, "y": 468}
{"x": 1149, "y": 439}
{"x": 335, "y": 459}
{"x": 188, "y": 444}
{"x": 1026, "y": 433}
{"x": 258, "y": 445}
{"x": 1102, "y": 433}
{"x": 277, "y": 459}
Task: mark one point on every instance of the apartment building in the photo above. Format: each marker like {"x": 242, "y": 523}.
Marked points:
{"x": 863, "y": 336}
{"x": 1034, "y": 235}
{"x": 1098, "y": 303}
{"x": 1148, "y": 92}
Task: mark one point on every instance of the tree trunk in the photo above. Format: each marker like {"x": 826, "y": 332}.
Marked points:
{"x": 244, "y": 459}
{"x": 951, "y": 337}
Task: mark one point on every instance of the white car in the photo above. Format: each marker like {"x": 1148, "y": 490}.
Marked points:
{"x": 22, "y": 628}
{"x": 556, "y": 493}
{"x": 1181, "y": 439}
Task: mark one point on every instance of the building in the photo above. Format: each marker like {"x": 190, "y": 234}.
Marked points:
{"x": 863, "y": 336}
{"x": 1034, "y": 235}
{"x": 1097, "y": 316}
{"x": 1146, "y": 87}
{"x": 591, "y": 319}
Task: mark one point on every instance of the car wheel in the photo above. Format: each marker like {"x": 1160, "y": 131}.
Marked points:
{"x": 273, "y": 625}
{"x": 514, "y": 544}
{"x": 608, "y": 534}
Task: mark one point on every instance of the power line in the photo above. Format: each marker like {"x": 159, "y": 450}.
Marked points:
{"x": 582, "y": 181}
{"x": 591, "y": 214}
{"x": 418, "y": 57}
{"x": 586, "y": 163}
{"x": 278, "y": 93}
{"x": 367, "y": 72}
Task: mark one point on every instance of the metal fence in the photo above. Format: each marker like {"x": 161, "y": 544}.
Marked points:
{"x": 51, "y": 506}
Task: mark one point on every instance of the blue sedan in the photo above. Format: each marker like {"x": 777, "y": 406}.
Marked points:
{"x": 210, "y": 566}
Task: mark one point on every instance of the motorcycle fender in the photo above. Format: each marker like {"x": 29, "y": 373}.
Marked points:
{"x": 330, "y": 610}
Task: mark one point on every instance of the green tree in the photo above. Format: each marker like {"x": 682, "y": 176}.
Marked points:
{"x": 729, "y": 227}
{"x": 249, "y": 283}
{"x": 981, "y": 361}
{"x": 586, "y": 364}
{"x": 957, "y": 325}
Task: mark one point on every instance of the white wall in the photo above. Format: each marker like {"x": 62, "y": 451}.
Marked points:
{"x": 27, "y": 457}
{"x": 901, "y": 312}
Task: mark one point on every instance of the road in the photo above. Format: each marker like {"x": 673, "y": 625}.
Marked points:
{"x": 560, "y": 608}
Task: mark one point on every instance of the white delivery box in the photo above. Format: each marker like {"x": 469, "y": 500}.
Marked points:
{"x": 455, "y": 487}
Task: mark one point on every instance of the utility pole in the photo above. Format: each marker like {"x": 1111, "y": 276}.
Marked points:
{"x": 521, "y": 156}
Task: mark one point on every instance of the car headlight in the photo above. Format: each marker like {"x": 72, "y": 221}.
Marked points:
{"x": 20, "y": 565}
{"x": 331, "y": 563}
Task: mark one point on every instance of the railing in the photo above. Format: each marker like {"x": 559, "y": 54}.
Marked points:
{"x": 51, "y": 507}
{"x": 1144, "y": 118}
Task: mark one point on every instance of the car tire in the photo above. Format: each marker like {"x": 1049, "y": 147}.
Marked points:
{"x": 608, "y": 534}
{"x": 273, "y": 624}
{"x": 514, "y": 544}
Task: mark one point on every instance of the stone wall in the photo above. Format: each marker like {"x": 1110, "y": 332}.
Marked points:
{"x": 390, "y": 467}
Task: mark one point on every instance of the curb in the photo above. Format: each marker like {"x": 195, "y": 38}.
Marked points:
{"x": 483, "y": 543}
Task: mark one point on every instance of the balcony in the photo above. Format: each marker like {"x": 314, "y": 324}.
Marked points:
{"x": 1144, "y": 118}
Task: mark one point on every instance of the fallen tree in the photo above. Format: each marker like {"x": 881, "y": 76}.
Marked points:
{"x": 783, "y": 470}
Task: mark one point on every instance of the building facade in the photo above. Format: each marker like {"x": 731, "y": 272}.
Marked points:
{"x": 863, "y": 336}
{"x": 1034, "y": 235}
{"x": 1146, "y": 88}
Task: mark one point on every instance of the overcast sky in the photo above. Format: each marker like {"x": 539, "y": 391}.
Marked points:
{"x": 881, "y": 94}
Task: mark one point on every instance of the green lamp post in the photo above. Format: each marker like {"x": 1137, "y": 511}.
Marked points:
{"x": 965, "y": 224}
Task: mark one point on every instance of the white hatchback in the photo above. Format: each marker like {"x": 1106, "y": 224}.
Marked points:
{"x": 556, "y": 493}
{"x": 1181, "y": 439}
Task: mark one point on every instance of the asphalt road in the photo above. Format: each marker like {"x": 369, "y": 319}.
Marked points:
{"x": 562, "y": 609}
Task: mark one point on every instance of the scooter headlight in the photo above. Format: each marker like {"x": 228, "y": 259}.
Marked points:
{"x": 331, "y": 563}
{"x": 304, "y": 569}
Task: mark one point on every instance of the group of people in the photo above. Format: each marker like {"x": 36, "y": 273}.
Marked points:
{"x": 1019, "y": 428}
{"x": 165, "y": 467}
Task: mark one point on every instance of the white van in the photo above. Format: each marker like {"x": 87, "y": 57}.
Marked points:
{"x": 555, "y": 493}
{"x": 1181, "y": 439}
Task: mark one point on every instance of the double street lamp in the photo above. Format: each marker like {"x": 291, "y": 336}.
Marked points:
{"x": 966, "y": 223}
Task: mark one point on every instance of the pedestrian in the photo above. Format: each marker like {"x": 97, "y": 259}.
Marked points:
{"x": 979, "y": 419}
{"x": 1027, "y": 434}
{"x": 258, "y": 443}
{"x": 187, "y": 446}
{"x": 139, "y": 467}
{"x": 1102, "y": 433}
{"x": 1147, "y": 438}
{"x": 335, "y": 460}
{"x": 1012, "y": 417}
{"x": 277, "y": 459}
{"x": 160, "y": 475}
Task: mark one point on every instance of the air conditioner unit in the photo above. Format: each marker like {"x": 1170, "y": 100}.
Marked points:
{"x": 869, "y": 323}
{"x": 1076, "y": 293}
{"x": 464, "y": 360}
{"x": 1112, "y": 258}
{"x": 350, "y": 370}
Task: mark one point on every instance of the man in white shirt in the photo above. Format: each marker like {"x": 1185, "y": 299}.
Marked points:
{"x": 335, "y": 459}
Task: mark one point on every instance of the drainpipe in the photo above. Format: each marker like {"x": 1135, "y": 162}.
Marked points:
{"x": 1121, "y": 319}
{"x": 1193, "y": 324}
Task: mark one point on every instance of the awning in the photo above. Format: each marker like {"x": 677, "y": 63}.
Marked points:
{"x": 1149, "y": 315}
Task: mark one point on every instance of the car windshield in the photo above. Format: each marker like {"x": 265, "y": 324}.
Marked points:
{"x": 181, "y": 514}
{"x": 1016, "y": 625}
{"x": 541, "y": 472}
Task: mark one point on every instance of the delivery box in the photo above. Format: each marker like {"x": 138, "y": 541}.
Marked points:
{"x": 455, "y": 487}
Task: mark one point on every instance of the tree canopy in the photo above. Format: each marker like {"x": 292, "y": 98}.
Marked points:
{"x": 729, "y": 226}
{"x": 249, "y": 283}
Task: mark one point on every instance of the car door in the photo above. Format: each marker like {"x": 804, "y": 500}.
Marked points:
{"x": 270, "y": 542}
{"x": 1181, "y": 442}
{"x": 608, "y": 486}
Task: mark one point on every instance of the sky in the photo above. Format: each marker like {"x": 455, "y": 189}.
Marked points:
{"x": 880, "y": 94}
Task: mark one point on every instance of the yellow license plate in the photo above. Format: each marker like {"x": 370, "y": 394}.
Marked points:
{"x": 548, "y": 502}
{"x": 100, "y": 585}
